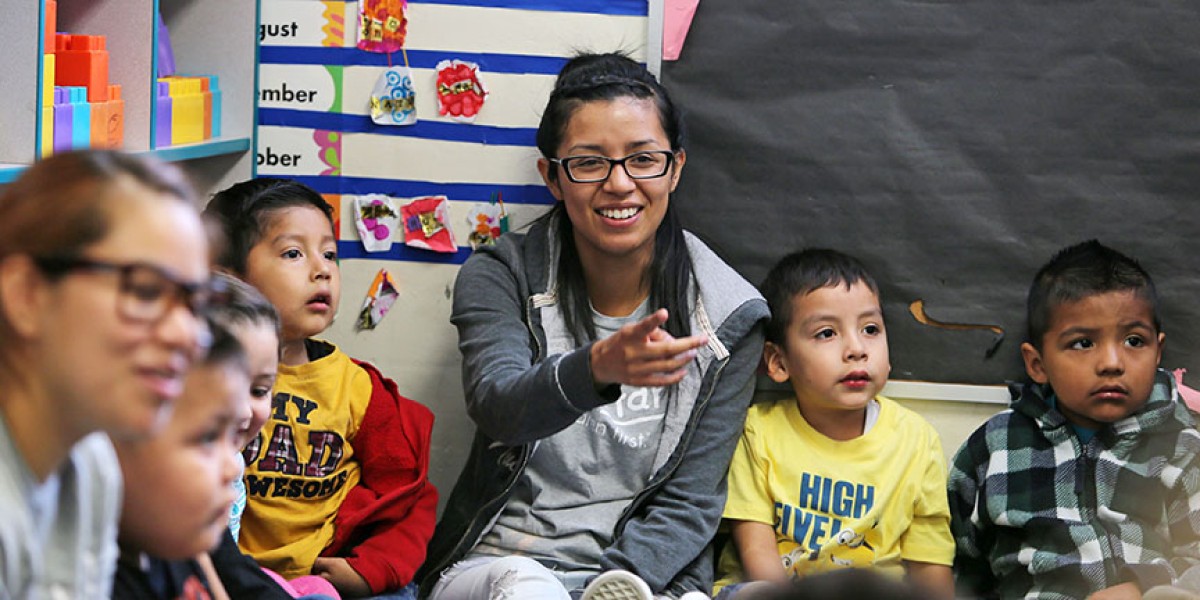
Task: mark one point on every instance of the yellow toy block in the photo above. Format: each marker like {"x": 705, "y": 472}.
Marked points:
{"x": 187, "y": 110}
{"x": 47, "y": 130}
{"x": 48, "y": 80}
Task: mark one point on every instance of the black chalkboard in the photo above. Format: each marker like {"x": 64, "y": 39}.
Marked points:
{"x": 953, "y": 146}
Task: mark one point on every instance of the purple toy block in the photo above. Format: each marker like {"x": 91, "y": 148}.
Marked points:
{"x": 64, "y": 118}
{"x": 162, "y": 123}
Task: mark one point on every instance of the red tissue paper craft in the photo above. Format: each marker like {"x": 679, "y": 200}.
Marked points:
{"x": 382, "y": 25}
{"x": 460, "y": 91}
{"x": 426, "y": 224}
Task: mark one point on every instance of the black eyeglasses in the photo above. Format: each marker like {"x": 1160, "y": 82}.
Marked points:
{"x": 647, "y": 164}
{"x": 147, "y": 292}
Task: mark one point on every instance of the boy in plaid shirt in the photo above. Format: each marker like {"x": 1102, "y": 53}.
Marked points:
{"x": 1088, "y": 486}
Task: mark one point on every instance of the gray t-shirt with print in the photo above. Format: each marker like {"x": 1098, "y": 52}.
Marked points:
{"x": 565, "y": 505}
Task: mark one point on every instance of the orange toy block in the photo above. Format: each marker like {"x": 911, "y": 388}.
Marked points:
{"x": 51, "y": 19}
{"x": 208, "y": 107}
{"x": 81, "y": 60}
{"x": 98, "y": 126}
{"x": 116, "y": 117}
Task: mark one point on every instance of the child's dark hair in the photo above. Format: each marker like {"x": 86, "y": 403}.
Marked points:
{"x": 802, "y": 272}
{"x": 243, "y": 211}
{"x": 243, "y": 304}
{"x": 1076, "y": 272}
{"x": 604, "y": 77}
{"x": 224, "y": 349}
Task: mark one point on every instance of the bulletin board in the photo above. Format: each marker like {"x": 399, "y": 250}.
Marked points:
{"x": 953, "y": 147}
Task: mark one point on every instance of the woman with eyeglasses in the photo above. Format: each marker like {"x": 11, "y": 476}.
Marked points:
{"x": 103, "y": 268}
{"x": 608, "y": 361}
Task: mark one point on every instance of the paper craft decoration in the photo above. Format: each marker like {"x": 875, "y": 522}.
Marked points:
{"x": 425, "y": 224}
{"x": 460, "y": 90}
{"x": 375, "y": 217}
{"x": 382, "y": 25}
{"x": 380, "y": 297}
{"x": 485, "y": 225}
{"x": 393, "y": 101}
{"x": 487, "y": 222}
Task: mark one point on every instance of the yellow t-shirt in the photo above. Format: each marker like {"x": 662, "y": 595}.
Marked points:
{"x": 302, "y": 464}
{"x": 867, "y": 502}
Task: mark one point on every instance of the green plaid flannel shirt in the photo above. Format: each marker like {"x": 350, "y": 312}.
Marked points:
{"x": 1035, "y": 513}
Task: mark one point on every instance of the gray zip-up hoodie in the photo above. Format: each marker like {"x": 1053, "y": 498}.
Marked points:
{"x": 505, "y": 304}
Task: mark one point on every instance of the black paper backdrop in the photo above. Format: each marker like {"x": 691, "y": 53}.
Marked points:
{"x": 953, "y": 146}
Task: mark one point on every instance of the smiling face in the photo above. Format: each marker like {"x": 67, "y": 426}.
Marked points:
{"x": 835, "y": 352}
{"x": 179, "y": 484}
{"x": 1099, "y": 354}
{"x": 295, "y": 266}
{"x": 617, "y": 217}
{"x": 106, "y": 371}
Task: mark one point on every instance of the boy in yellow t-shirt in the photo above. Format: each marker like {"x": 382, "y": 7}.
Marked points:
{"x": 841, "y": 477}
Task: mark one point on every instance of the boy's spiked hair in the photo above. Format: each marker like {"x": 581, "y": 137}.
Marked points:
{"x": 802, "y": 272}
{"x": 242, "y": 212}
{"x": 1076, "y": 272}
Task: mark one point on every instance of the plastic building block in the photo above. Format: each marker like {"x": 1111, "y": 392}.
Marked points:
{"x": 48, "y": 79}
{"x": 206, "y": 93}
{"x": 82, "y": 60}
{"x": 47, "y": 116}
{"x": 214, "y": 89}
{"x": 51, "y": 19}
{"x": 64, "y": 118}
{"x": 116, "y": 117}
{"x": 162, "y": 123}
{"x": 98, "y": 125}
{"x": 81, "y": 122}
{"x": 189, "y": 110}
{"x": 186, "y": 111}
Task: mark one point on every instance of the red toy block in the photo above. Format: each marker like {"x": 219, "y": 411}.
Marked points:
{"x": 82, "y": 61}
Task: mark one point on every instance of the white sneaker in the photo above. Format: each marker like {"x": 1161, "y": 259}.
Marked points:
{"x": 617, "y": 585}
{"x": 695, "y": 596}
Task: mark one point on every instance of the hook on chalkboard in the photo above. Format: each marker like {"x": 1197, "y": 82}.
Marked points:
{"x": 917, "y": 309}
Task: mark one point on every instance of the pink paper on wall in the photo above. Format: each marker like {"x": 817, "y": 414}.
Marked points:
{"x": 1190, "y": 396}
{"x": 677, "y": 19}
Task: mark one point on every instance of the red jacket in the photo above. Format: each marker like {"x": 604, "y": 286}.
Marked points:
{"x": 386, "y": 521}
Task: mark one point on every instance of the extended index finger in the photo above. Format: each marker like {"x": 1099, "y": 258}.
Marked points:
{"x": 672, "y": 347}
{"x": 649, "y": 323}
